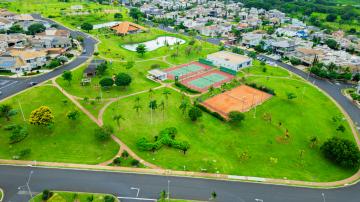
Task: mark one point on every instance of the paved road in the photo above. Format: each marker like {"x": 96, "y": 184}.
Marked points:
{"x": 120, "y": 184}
{"x": 19, "y": 84}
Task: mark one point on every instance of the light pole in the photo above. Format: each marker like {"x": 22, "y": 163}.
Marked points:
{"x": 27, "y": 184}
{"x": 168, "y": 190}
{"x": 323, "y": 196}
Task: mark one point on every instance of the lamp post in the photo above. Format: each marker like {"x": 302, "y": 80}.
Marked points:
{"x": 28, "y": 182}
{"x": 168, "y": 190}
{"x": 323, "y": 196}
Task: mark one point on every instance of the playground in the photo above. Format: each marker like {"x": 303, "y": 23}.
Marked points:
{"x": 186, "y": 70}
{"x": 241, "y": 99}
{"x": 202, "y": 82}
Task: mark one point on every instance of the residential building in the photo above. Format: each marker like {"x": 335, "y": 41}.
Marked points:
{"x": 5, "y": 23}
{"x": 251, "y": 39}
{"x": 56, "y": 32}
{"x": 157, "y": 74}
{"x": 41, "y": 42}
{"x": 229, "y": 60}
{"x": 33, "y": 58}
{"x": 13, "y": 64}
{"x": 283, "y": 46}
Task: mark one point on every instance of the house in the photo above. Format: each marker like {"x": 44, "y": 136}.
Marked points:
{"x": 124, "y": 28}
{"x": 306, "y": 55}
{"x": 55, "y": 32}
{"x": 23, "y": 17}
{"x": 90, "y": 71}
{"x": 14, "y": 40}
{"x": 229, "y": 60}
{"x": 251, "y": 39}
{"x": 5, "y": 23}
{"x": 211, "y": 31}
{"x": 283, "y": 46}
{"x": 6, "y": 14}
{"x": 40, "y": 42}
{"x": 26, "y": 24}
{"x": 157, "y": 74}
{"x": 3, "y": 46}
{"x": 33, "y": 58}
{"x": 13, "y": 64}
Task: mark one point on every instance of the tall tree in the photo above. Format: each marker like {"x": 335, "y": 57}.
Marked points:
{"x": 67, "y": 76}
{"x": 117, "y": 118}
{"x": 87, "y": 26}
{"x": 141, "y": 49}
{"x": 166, "y": 93}
{"x": 183, "y": 106}
{"x": 162, "y": 108}
{"x": 153, "y": 106}
{"x": 41, "y": 116}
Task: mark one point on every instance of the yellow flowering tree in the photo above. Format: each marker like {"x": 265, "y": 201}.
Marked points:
{"x": 41, "y": 116}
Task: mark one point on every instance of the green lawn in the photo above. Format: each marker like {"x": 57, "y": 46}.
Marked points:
{"x": 265, "y": 70}
{"x": 68, "y": 141}
{"x": 138, "y": 74}
{"x": 60, "y": 196}
{"x": 245, "y": 149}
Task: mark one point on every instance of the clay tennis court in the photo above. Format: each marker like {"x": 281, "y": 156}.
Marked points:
{"x": 203, "y": 81}
{"x": 186, "y": 70}
{"x": 241, "y": 99}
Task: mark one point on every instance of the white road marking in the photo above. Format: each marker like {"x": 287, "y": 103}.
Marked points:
{"x": 139, "y": 199}
{"x": 9, "y": 84}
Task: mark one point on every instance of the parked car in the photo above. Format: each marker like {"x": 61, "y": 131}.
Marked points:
{"x": 33, "y": 83}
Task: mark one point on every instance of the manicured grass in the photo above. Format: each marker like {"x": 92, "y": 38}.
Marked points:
{"x": 138, "y": 74}
{"x": 68, "y": 141}
{"x": 265, "y": 70}
{"x": 1, "y": 195}
{"x": 60, "y": 196}
{"x": 245, "y": 149}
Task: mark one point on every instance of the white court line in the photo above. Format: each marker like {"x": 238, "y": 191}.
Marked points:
{"x": 9, "y": 84}
{"x": 134, "y": 198}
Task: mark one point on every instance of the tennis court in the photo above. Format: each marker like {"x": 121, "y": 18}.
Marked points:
{"x": 242, "y": 99}
{"x": 202, "y": 82}
{"x": 186, "y": 70}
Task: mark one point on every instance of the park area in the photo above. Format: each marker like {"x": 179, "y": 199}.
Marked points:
{"x": 63, "y": 196}
{"x": 65, "y": 141}
{"x": 241, "y": 99}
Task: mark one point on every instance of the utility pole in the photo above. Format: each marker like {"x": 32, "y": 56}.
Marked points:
{"x": 169, "y": 190}
{"x": 27, "y": 184}
{"x": 22, "y": 113}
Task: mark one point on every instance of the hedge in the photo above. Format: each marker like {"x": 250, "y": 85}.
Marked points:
{"x": 214, "y": 114}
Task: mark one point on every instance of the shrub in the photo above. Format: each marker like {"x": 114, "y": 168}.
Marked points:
{"x": 117, "y": 161}
{"x": 262, "y": 88}
{"x": 135, "y": 162}
{"x": 54, "y": 63}
{"x": 46, "y": 195}
{"x": 106, "y": 82}
{"x": 24, "y": 153}
{"x": 185, "y": 88}
{"x": 103, "y": 133}
{"x": 125, "y": 154}
{"x": 236, "y": 117}
{"x": 18, "y": 134}
{"x": 295, "y": 61}
{"x": 342, "y": 152}
{"x": 155, "y": 66}
{"x": 109, "y": 198}
{"x": 214, "y": 114}
{"x": 195, "y": 113}
{"x": 123, "y": 80}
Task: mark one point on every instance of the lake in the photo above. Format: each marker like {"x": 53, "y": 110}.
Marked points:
{"x": 156, "y": 43}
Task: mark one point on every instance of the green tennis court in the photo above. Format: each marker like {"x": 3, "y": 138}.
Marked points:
{"x": 207, "y": 80}
{"x": 186, "y": 70}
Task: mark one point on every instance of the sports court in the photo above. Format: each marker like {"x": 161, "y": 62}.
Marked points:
{"x": 202, "y": 82}
{"x": 241, "y": 99}
{"x": 186, "y": 70}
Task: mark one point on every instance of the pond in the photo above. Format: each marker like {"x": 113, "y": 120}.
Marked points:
{"x": 156, "y": 43}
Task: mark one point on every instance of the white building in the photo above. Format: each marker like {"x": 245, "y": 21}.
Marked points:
{"x": 157, "y": 74}
{"x": 229, "y": 60}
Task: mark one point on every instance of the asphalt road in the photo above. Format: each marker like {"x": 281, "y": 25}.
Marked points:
{"x": 119, "y": 184}
{"x": 19, "y": 84}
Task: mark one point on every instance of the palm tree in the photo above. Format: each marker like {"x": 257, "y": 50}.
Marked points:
{"x": 162, "y": 108}
{"x": 117, "y": 118}
{"x": 183, "y": 106}
{"x": 166, "y": 93}
{"x": 211, "y": 90}
{"x": 6, "y": 111}
{"x": 153, "y": 106}
{"x": 314, "y": 141}
{"x": 137, "y": 108}
{"x": 151, "y": 93}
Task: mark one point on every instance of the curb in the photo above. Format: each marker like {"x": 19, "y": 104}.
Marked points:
{"x": 2, "y": 195}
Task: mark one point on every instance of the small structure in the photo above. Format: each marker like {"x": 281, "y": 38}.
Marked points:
{"x": 125, "y": 28}
{"x": 157, "y": 74}
{"x": 358, "y": 88}
{"x": 90, "y": 71}
{"x": 229, "y": 60}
